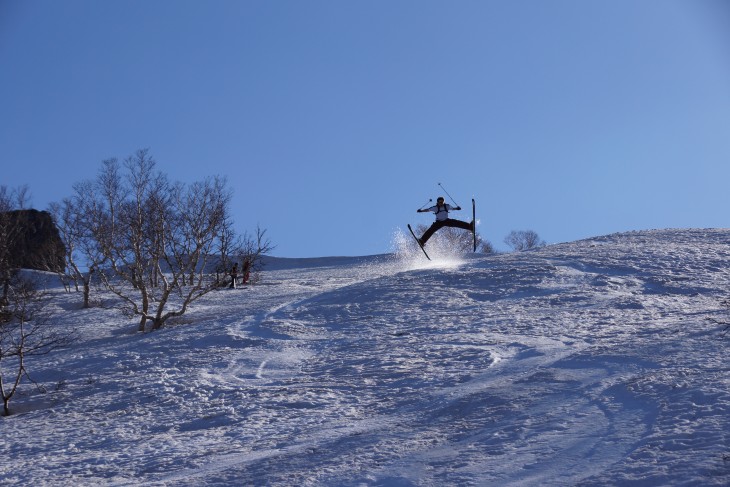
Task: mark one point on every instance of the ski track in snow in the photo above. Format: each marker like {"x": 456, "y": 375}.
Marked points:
{"x": 586, "y": 363}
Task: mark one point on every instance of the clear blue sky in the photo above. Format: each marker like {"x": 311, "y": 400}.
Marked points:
{"x": 335, "y": 120}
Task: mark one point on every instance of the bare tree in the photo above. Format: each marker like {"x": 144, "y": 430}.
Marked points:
{"x": 485, "y": 246}
{"x": 14, "y": 198}
{"x": 159, "y": 239}
{"x": 523, "y": 240}
{"x": 24, "y": 332}
{"x": 22, "y": 197}
{"x": 251, "y": 251}
{"x": 75, "y": 219}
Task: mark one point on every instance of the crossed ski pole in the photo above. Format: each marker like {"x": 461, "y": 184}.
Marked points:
{"x": 447, "y": 194}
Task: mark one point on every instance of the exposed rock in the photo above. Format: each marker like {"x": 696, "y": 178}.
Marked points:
{"x": 34, "y": 241}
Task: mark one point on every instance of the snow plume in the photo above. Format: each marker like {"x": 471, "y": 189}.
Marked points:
{"x": 406, "y": 251}
{"x": 444, "y": 252}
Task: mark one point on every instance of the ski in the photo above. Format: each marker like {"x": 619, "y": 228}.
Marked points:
{"x": 474, "y": 222}
{"x": 418, "y": 241}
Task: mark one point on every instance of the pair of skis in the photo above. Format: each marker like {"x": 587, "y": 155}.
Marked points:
{"x": 473, "y": 230}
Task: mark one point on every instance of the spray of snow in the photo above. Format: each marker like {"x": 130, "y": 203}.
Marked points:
{"x": 443, "y": 253}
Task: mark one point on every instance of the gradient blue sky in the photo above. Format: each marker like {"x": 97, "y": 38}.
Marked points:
{"x": 335, "y": 120}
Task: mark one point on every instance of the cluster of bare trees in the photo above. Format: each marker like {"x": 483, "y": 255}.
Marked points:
{"x": 156, "y": 244}
{"x": 520, "y": 240}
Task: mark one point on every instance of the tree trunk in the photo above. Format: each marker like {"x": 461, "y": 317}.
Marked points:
{"x": 142, "y": 323}
{"x": 157, "y": 323}
{"x": 87, "y": 288}
{"x": 145, "y": 307}
{"x": 6, "y": 399}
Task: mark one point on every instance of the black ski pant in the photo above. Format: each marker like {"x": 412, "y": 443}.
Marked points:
{"x": 449, "y": 222}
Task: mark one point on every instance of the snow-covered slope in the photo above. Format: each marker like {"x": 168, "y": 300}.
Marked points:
{"x": 589, "y": 363}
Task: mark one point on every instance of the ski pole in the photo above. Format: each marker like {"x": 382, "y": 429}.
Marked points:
{"x": 427, "y": 202}
{"x": 447, "y": 194}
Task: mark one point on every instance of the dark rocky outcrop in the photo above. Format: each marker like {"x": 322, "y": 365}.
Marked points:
{"x": 33, "y": 241}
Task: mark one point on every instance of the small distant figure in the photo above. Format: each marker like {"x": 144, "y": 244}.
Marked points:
{"x": 442, "y": 219}
{"x": 234, "y": 276}
{"x": 246, "y": 269}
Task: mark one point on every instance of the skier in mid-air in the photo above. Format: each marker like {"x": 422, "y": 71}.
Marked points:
{"x": 442, "y": 219}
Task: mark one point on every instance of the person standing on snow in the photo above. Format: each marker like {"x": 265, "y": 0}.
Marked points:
{"x": 442, "y": 219}
{"x": 234, "y": 276}
{"x": 246, "y": 269}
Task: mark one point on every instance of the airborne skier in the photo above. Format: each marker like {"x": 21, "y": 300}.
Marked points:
{"x": 441, "y": 210}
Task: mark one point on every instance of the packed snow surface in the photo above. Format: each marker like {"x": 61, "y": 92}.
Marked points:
{"x": 589, "y": 363}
